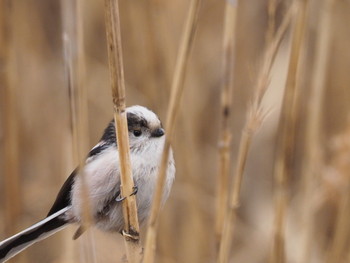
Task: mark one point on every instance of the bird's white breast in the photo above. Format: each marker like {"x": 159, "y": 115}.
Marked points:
{"x": 102, "y": 176}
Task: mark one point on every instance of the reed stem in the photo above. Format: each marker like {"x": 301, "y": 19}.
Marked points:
{"x": 313, "y": 157}
{"x": 225, "y": 137}
{"x": 286, "y": 136}
{"x": 131, "y": 229}
{"x": 11, "y": 190}
{"x": 254, "y": 120}
{"x": 175, "y": 99}
{"x": 74, "y": 63}
{"x": 271, "y": 22}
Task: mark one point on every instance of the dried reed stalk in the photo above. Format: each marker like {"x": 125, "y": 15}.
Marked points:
{"x": 74, "y": 58}
{"x": 12, "y": 186}
{"x": 225, "y": 137}
{"x": 175, "y": 98}
{"x": 69, "y": 37}
{"x": 342, "y": 227}
{"x": 131, "y": 228}
{"x": 271, "y": 22}
{"x": 67, "y": 58}
{"x": 254, "y": 120}
{"x": 313, "y": 125}
{"x": 10, "y": 123}
{"x": 286, "y": 136}
{"x": 339, "y": 163}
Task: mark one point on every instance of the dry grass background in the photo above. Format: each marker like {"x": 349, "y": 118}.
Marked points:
{"x": 151, "y": 31}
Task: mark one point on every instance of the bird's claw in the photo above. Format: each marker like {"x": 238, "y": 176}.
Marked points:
{"x": 131, "y": 235}
{"x": 134, "y": 190}
{"x": 121, "y": 198}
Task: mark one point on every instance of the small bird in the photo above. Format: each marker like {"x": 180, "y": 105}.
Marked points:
{"x": 102, "y": 176}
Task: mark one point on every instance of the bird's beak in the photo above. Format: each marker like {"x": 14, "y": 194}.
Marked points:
{"x": 158, "y": 132}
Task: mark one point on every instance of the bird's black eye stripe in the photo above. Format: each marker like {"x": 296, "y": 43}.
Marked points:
{"x": 135, "y": 122}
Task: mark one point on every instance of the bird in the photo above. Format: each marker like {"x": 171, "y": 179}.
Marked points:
{"x": 102, "y": 177}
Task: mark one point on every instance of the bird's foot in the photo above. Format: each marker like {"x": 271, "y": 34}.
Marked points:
{"x": 121, "y": 198}
{"x": 131, "y": 235}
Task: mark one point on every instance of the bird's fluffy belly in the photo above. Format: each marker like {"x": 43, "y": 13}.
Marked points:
{"x": 102, "y": 176}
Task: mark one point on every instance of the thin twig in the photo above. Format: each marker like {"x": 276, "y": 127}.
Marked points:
{"x": 131, "y": 227}
{"x": 313, "y": 151}
{"x": 175, "y": 99}
{"x": 286, "y": 136}
{"x": 224, "y": 144}
{"x": 254, "y": 120}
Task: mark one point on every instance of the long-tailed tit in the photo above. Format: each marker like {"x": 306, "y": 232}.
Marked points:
{"x": 102, "y": 174}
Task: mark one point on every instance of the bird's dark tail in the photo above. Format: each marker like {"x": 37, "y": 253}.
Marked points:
{"x": 41, "y": 230}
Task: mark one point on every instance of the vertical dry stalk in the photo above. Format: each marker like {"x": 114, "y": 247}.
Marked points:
{"x": 269, "y": 58}
{"x": 254, "y": 120}
{"x": 131, "y": 228}
{"x": 72, "y": 136}
{"x": 10, "y": 124}
{"x": 271, "y": 23}
{"x": 175, "y": 98}
{"x": 313, "y": 152}
{"x": 342, "y": 227}
{"x": 11, "y": 190}
{"x": 69, "y": 35}
{"x": 73, "y": 44}
{"x": 286, "y": 136}
{"x": 224, "y": 145}
{"x": 338, "y": 167}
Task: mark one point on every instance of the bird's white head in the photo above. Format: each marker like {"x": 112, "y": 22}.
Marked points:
{"x": 144, "y": 127}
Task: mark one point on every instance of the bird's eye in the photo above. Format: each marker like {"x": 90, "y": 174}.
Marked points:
{"x": 137, "y": 133}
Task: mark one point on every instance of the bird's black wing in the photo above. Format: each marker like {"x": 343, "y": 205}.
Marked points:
{"x": 63, "y": 198}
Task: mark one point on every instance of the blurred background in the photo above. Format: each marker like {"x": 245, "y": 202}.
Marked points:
{"x": 36, "y": 139}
